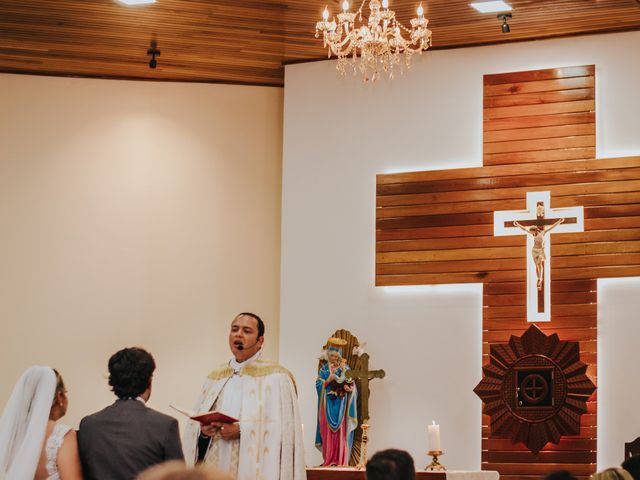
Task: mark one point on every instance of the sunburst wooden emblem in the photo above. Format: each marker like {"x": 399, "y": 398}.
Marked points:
{"x": 535, "y": 388}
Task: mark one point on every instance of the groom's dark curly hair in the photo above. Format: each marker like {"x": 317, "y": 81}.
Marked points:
{"x": 130, "y": 371}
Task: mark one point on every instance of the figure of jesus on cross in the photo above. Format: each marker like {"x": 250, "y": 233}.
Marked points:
{"x": 538, "y": 233}
{"x": 536, "y": 225}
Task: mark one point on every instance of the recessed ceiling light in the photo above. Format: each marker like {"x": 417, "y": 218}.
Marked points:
{"x": 136, "y": 2}
{"x": 491, "y": 7}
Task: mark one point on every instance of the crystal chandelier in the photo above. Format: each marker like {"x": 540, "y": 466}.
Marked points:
{"x": 379, "y": 43}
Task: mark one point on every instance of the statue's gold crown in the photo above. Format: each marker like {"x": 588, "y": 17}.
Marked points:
{"x": 336, "y": 342}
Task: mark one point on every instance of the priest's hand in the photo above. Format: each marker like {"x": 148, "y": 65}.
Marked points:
{"x": 209, "y": 430}
{"x": 230, "y": 431}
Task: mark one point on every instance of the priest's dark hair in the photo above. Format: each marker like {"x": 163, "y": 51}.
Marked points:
{"x": 560, "y": 475}
{"x": 391, "y": 465}
{"x": 130, "y": 371}
{"x": 632, "y": 465}
{"x": 257, "y": 319}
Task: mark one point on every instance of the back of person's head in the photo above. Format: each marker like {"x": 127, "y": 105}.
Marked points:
{"x": 560, "y": 475}
{"x": 176, "y": 470}
{"x": 632, "y": 465}
{"x": 612, "y": 474}
{"x": 391, "y": 465}
{"x": 130, "y": 371}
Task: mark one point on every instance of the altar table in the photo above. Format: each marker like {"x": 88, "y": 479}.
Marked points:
{"x": 353, "y": 474}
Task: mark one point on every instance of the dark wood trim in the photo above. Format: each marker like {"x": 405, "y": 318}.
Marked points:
{"x": 136, "y": 79}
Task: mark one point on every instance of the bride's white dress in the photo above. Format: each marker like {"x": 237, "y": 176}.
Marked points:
{"x": 54, "y": 442}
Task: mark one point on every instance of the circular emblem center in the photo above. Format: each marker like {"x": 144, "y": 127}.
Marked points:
{"x": 534, "y": 388}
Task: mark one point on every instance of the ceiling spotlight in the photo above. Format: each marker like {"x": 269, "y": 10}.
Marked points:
{"x": 154, "y": 52}
{"x": 505, "y": 25}
{"x": 491, "y": 6}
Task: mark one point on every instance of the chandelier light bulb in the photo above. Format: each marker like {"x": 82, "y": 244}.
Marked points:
{"x": 385, "y": 4}
{"x": 420, "y": 11}
{"x": 325, "y": 14}
{"x": 345, "y": 6}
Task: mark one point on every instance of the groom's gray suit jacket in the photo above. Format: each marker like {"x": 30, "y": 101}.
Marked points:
{"x": 122, "y": 440}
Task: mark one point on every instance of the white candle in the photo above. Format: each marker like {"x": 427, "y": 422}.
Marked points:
{"x": 433, "y": 432}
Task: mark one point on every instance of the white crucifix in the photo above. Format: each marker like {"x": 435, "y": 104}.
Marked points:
{"x": 537, "y": 222}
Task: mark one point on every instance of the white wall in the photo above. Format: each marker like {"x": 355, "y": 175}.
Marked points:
{"x": 618, "y": 378}
{"x": 134, "y": 213}
{"x": 338, "y": 134}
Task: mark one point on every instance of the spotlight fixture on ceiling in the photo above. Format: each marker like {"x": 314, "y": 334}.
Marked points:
{"x": 505, "y": 25}
{"x": 154, "y": 52}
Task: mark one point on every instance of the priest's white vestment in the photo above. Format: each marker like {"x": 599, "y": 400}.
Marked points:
{"x": 263, "y": 396}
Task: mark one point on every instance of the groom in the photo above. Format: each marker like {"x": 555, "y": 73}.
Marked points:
{"x": 125, "y": 438}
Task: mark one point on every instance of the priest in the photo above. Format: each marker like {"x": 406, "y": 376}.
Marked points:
{"x": 266, "y": 442}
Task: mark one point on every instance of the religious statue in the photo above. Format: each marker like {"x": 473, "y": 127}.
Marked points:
{"x": 337, "y": 405}
{"x": 538, "y": 232}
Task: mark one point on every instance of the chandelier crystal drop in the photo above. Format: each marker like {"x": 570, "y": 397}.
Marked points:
{"x": 379, "y": 44}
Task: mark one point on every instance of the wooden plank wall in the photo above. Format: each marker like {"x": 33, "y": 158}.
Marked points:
{"x": 437, "y": 227}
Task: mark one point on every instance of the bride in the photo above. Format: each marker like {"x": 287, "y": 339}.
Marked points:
{"x": 32, "y": 444}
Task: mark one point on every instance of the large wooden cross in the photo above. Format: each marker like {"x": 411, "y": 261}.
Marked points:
{"x": 437, "y": 227}
{"x": 363, "y": 375}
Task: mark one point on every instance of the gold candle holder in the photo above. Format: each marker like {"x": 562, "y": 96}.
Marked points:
{"x": 363, "y": 452}
{"x": 435, "y": 465}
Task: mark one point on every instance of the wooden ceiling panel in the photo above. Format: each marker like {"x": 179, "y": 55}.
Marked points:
{"x": 249, "y": 41}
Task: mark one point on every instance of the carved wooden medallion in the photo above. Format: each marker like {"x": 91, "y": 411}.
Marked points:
{"x": 535, "y": 388}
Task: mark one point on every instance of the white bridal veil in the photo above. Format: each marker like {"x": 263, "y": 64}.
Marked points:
{"x": 24, "y": 423}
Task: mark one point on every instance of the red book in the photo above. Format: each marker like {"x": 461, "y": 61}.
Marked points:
{"x": 206, "y": 417}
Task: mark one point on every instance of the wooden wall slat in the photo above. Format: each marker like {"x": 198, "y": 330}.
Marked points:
{"x": 539, "y": 109}
{"x": 556, "y": 286}
{"x": 535, "y": 121}
{"x": 603, "y": 199}
{"x": 586, "y": 433}
{"x": 587, "y": 188}
{"x": 553, "y": 143}
{"x": 560, "y": 252}
{"x": 542, "y": 457}
{"x": 500, "y": 264}
{"x": 539, "y": 468}
{"x": 539, "y": 86}
{"x": 537, "y": 75}
{"x": 539, "y": 132}
{"x": 513, "y": 181}
{"x": 534, "y": 98}
{"x": 565, "y": 444}
{"x": 556, "y": 298}
{"x": 481, "y": 242}
{"x": 508, "y": 170}
{"x": 539, "y": 156}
